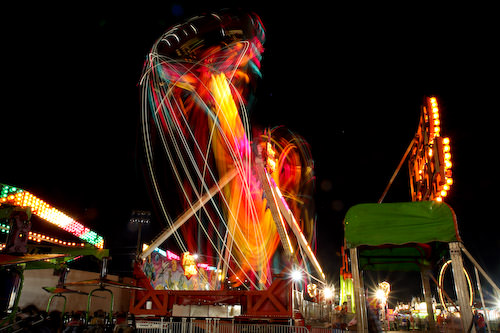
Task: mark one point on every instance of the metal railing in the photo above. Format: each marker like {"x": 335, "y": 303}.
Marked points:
{"x": 213, "y": 326}
{"x": 312, "y": 310}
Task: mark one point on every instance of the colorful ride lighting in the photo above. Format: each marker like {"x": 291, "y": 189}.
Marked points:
{"x": 446, "y": 175}
{"x": 441, "y": 283}
{"x": 271, "y": 158}
{"x": 430, "y": 161}
{"x": 440, "y": 147}
{"x": 18, "y": 197}
{"x": 271, "y": 181}
{"x": 434, "y": 121}
{"x": 296, "y": 228}
{"x": 37, "y": 237}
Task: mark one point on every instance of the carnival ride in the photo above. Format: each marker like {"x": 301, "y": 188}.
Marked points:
{"x": 244, "y": 198}
{"x": 17, "y": 197}
{"x": 24, "y": 249}
{"x": 30, "y": 243}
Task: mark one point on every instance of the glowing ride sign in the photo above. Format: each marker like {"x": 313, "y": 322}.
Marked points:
{"x": 430, "y": 160}
{"x": 189, "y": 265}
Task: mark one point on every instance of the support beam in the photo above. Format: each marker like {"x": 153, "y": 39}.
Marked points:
{"x": 359, "y": 293}
{"x": 479, "y": 287}
{"x": 461, "y": 287}
{"x": 481, "y": 270}
{"x": 424, "y": 274}
{"x": 301, "y": 239}
{"x": 272, "y": 203}
{"x": 403, "y": 159}
{"x": 188, "y": 213}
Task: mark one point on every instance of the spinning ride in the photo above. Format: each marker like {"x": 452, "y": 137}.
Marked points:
{"x": 244, "y": 203}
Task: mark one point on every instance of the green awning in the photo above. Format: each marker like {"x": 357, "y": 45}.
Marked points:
{"x": 405, "y": 258}
{"x": 400, "y": 236}
{"x": 400, "y": 223}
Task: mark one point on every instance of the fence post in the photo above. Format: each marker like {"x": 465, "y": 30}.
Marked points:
{"x": 207, "y": 325}
{"x": 183, "y": 325}
{"x": 216, "y": 325}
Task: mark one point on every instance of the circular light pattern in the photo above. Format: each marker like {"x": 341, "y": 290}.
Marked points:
{"x": 441, "y": 279}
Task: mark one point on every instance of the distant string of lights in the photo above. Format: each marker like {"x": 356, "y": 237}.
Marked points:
{"x": 19, "y": 197}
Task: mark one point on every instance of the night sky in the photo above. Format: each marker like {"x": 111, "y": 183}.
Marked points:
{"x": 350, "y": 79}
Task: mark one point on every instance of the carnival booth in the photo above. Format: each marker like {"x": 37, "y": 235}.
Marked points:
{"x": 408, "y": 236}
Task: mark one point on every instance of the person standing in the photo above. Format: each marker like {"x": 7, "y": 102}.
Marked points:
{"x": 479, "y": 322}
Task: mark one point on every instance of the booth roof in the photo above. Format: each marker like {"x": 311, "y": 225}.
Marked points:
{"x": 400, "y": 223}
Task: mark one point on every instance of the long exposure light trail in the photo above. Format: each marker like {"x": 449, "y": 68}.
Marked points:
{"x": 197, "y": 82}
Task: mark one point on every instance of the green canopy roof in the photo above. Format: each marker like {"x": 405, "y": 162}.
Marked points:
{"x": 400, "y": 223}
{"x": 400, "y": 236}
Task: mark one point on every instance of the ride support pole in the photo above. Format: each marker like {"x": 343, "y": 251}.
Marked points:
{"x": 359, "y": 293}
{"x": 481, "y": 270}
{"x": 480, "y": 288}
{"x": 197, "y": 205}
{"x": 403, "y": 159}
{"x": 461, "y": 287}
{"x": 428, "y": 297}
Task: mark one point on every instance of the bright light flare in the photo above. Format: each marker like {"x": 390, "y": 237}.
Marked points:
{"x": 296, "y": 275}
{"x": 382, "y": 292}
{"x": 328, "y": 292}
{"x": 380, "y": 295}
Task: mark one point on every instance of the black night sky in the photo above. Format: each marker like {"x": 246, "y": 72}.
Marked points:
{"x": 348, "y": 78}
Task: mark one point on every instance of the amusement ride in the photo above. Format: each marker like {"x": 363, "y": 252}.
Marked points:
{"x": 246, "y": 196}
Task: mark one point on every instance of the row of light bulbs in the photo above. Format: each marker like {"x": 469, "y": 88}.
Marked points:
{"x": 38, "y": 237}
{"x": 436, "y": 129}
{"x": 40, "y": 208}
